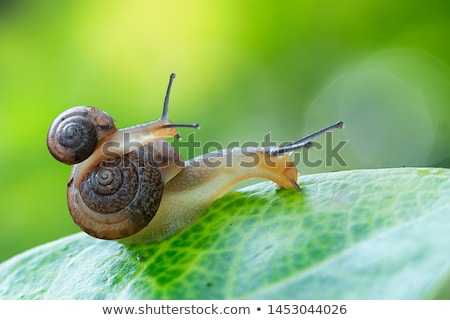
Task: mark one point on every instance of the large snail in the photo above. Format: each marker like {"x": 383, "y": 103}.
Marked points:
{"x": 131, "y": 183}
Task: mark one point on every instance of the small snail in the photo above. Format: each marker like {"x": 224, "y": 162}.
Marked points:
{"x": 131, "y": 183}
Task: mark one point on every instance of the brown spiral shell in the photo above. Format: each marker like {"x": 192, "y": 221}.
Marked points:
{"x": 119, "y": 197}
{"x": 74, "y": 134}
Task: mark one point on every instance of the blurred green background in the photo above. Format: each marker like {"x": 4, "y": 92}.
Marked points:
{"x": 244, "y": 68}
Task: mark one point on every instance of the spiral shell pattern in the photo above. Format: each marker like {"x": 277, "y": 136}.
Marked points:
{"x": 74, "y": 134}
{"x": 119, "y": 197}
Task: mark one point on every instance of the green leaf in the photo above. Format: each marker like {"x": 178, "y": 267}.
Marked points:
{"x": 367, "y": 234}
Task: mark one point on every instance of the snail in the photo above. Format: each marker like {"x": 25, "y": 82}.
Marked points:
{"x": 132, "y": 184}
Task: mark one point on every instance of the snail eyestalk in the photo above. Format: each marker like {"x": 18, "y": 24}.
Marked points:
{"x": 165, "y": 113}
{"x": 303, "y": 142}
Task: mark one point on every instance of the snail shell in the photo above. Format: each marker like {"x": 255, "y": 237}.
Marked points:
{"x": 75, "y": 133}
{"x": 118, "y": 197}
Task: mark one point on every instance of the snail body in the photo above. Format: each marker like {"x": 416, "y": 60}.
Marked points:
{"x": 132, "y": 184}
